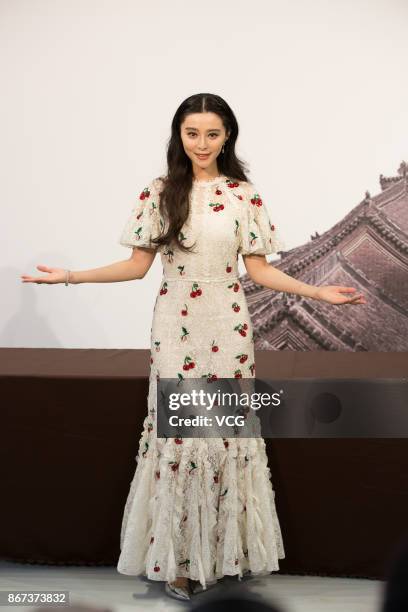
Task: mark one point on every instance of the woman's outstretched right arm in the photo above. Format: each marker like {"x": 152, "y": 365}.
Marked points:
{"x": 133, "y": 268}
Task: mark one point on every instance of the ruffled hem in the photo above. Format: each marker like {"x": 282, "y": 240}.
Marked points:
{"x": 201, "y": 509}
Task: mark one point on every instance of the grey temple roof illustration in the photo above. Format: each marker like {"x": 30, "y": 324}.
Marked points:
{"x": 367, "y": 249}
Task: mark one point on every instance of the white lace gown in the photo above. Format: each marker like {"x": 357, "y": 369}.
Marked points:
{"x": 201, "y": 507}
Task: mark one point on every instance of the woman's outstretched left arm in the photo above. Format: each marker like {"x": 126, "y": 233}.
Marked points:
{"x": 263, "y": 273}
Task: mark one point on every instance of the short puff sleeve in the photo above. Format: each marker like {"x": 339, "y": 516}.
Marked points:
{"x": 144, "y": 222}
{"x": 258, "y": 236}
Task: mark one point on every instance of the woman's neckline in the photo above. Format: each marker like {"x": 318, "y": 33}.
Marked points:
{"x": 217, "y": 179}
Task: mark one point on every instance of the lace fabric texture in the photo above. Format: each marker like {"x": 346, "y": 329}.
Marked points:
{"x": 201, "y": 507}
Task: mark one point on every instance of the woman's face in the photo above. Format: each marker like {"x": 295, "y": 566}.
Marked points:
{"x": 203, "y": 133}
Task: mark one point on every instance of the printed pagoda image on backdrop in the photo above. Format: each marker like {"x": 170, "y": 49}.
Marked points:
{"x": 368, "y": 250}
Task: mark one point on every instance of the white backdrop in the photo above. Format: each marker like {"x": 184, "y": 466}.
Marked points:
{"x": 89, "y": 89}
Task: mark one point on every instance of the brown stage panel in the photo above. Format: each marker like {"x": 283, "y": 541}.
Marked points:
{"x": 70, "y": 426}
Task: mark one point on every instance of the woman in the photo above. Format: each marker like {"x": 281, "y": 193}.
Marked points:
{"x": 200, "y": 508}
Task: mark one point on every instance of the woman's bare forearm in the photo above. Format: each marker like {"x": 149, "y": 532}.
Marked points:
{"x": 119, "y": 271}
{"x": 273, "y": 278}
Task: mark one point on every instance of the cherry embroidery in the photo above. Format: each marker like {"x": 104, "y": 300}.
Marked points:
{"x": 228, "y": 268}
{"x": 256, "y": 200}
{"x": 195, "y": 290}
{"x": 252, "y": 238}
{"x": 210, "y": 377}
{"x": 242, "y": 357}
{"x": 241, "y": 329}
{"x": 145, "y": 194}
{"x": 216, "y": 206}
{"x": 214, "y": 347}
{"x": 232, "y": 184}
{"x": 184, "y": 312}
{"x": 237, "y": 374}
{"x": 236, "y": 307}
{"x": 156, "y": 567}
{"x": 234, "y": 286}
{"x": 163, "y": 289}
{"x": 188, "y": 363}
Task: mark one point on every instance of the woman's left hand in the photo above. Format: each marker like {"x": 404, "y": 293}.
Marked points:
{"x": 335, "y": 294}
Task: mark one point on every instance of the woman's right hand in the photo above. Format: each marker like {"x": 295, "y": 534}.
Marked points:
{"x": 54, "y": 276}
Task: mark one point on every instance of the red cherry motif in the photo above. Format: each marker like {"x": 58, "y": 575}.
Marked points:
{"x": 218, "y": 191}
{"x": 156, "y": 567}
{"x": 216, "y": 207}
{"x": 237, "y": 374}
{"x": 236, "y": 307}
{"x": 210, "y": 377}
{"x": 232, "y": 184}
{"x": 163, "y": 290}
{"x": 256, "y": 200}
{"x": 226, "y": 443}
{"x": 214, "y": 347}
{"x": 235, "y": 287}
{"x": 188, "y": 363}
{"x": 241, "y": 329}
{"x": 184, "y": 312}
{"x": 178, "y": 440}
{"x": 228, "y": 268}
{"x": 272, "y": 226}
{"x": 195, "y": 290}
{"x": 145, "y": 194}
{"x": 242, "y": 358}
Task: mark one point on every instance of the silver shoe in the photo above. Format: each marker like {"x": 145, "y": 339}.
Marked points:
{"x": 177, "y": 592}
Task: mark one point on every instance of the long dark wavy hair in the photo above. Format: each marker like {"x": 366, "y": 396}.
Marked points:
{"x": 177, "y": 184}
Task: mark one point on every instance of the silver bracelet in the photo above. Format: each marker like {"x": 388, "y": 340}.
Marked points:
{"x": 67, "y": 272}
